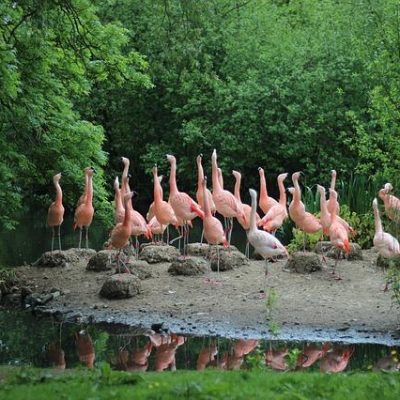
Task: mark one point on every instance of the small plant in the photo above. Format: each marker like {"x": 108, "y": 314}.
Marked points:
{"x": 292, "y": 357}
{"x": 271, "y": 300}
{"x": 256, "y": 359}
{"x": 302, "y": 241}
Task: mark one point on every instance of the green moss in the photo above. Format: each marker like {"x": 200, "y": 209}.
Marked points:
{"x": 211, "y": 384}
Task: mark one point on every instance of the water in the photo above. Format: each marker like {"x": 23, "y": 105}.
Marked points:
{"x": 26, "y": 340}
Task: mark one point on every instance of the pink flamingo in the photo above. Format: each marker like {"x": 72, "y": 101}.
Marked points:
{"x": 244, "y": 222}
{"x": 392, "y": 203}
{"x": 333, "y": 203}
{"x": 275, "y": 217}
{"x": 297, "y": 208}
{"x": 266, "y": 202}
{"x": 263, "y": 242}
{"x": 55, "y": 214}
{"x": 156, "y": 228}
{"x": 199, "y": 192}
{"x": 338, "y": 234}
{"x": 225, "y": 201}
{"x": 121, "y": 233}
{"x": 183, "y": 205}
{"x": 163, "y": 211}
{"x": 386, "y": 245}
{"x": 213, "y": 230}
{"x": 84, "y": 213}
{"x": 119, "y": 210}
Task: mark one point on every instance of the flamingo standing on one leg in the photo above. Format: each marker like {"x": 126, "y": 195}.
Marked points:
{"x": 392, "y": 203}
{"x": 121, "y": 233}
{"x": 55, "y": 215}
{"x": 84, "y": 213}
{"x": 275, "y": 217}
{"x": 266, "y": 202}
{"x": 225, "y": 201}
{"x": 338, "y": 234}
{"x": 213, "y": 230}
{"x": 163, "y": 211}
{"x": 263, "y": 242}
{"x": 245, "y": 223}
{"x": 183, "y": 205}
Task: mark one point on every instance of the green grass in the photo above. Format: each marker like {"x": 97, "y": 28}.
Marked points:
{"x": 26, "y": 384}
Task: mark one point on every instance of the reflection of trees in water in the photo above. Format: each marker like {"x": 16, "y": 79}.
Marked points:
{"x": 26, "y": 340}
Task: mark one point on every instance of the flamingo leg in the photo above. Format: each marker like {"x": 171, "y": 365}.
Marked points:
{"x": 52, "y": 238}
{"x": 247, "y": 250}
{"x": 136, "y": 248}
{"x": 202, "y": 236}
{"x": 87, "y": 237}
{"x": 218, "y": 260}
{"x": 167, "y": 234}
{"x": 230, "y": 223}
{"x": 59, "y": 237}
{"x": 80, "y": 236}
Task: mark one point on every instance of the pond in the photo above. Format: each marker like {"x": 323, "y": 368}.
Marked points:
{"x": 26, "y": 340}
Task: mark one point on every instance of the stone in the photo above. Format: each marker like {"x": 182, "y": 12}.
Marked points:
{"x": 11, "y": 300}
{"x": 102, "y": 261}
{"x": 304, "y": 262}
{"x": 354, "y": 254}
{"x": 229, "y": 258}
{"x": 383, "y": 262}
{"x": 54, "y": 259}
{"x": 121, "y": 286}
{"x": 323, "y": 246}
{"x": 197, "y": 249}
{"x": 159, "y": 253}
{"x": 189, "y": 266}
{"x": 140, "y": 268}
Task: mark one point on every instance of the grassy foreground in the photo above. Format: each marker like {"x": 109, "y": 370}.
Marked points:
{"x": 16, "y": 383}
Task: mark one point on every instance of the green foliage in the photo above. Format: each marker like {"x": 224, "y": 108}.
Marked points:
{"x": 303, "y": 241}
{"x": 393, "y": 279}
{"x": 292, "y": 357}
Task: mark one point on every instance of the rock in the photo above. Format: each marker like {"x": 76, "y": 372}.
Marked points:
{"x": 322, "y": 247}
{"x": 197, "y": 249}
{"x": 53, "y": 259}
{"x": 387, "y": 262}
{"x": 355, "y": 253}
{"x": 102, "y": 261}
{"x": 189, "y": 266}
{"x": 25, "y": 291}
{"x": 140, "y": 268}
{"x": 121, "y": 286}
{"x": 11, "y": 300}
{"x": 155, "y": 254}
{"x": 230, "y": 258}
{"x": 304, "y": 262}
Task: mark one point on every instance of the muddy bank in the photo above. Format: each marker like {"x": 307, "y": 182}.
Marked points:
{"x": 308, "y": 307}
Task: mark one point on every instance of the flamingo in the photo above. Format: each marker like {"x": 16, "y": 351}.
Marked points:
{"x": 312, "y": 354}
{"x": 156, "y": 228}
{"x": 266, "y": 202}
{"x": 392, "y": 203}
{"x": 276, "y": 359}
{"x": 163, "y": 211}
{"x": 125, "y": 173}
{"x": 243, "y": 347}
{"x": 206, "y": 355}
{"x": 245, "y": 223}
{"x": 225, "y": 201}
{"x": 333, "y": 203}
{"x": 119, "y": 209}
{"x": 85, "y": 348}
{"x": 296, "y": 206}
{"x": 138, "y": 223}
{"x": 264, "y": 243}
{"x": 138, "y": 360}
{"x": 336, "y": 360}
{"x": 84, "y": 213}
{"x": 386, "y": 245}
{"x": 56, "y": 356}
{"x": 121, "y": 233}
{"x": 274, "y": 218}
{"x": 55, "y": 214}
{"x": 183, "y": 205}
{"x": 199, "y": 192}
{"x": 338, "y": 234}
{"x": 212, "y": 227}
{"x": 82, "y": 197}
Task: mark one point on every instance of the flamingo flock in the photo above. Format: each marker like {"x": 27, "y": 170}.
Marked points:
{"x": 181, "y": 209}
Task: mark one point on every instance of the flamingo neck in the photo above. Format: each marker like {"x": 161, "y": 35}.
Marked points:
{"x": 297, "y": 191}
{"x": 237, "y": 187}
{"x": 207, "y": 210}
{"x": 118, "y": 198}
{"x": 59, "y": 195}
{"x": 263, "y": 185}
{"x": 323, "y": 205}
{"x": 282, "y": 193}
{"x": 173, "y": 188}
{"x": 333, "y": 182}
{"x": 253, "y": 213}
{"x": 377, "y": 220}
{"x": 200, "y": 175}
{"x": 157, "y": 189}
{"x": 215, "y": 180}
{"x": 89, "y": 190}
{"x": 128, "y": 210}
{"x": 125, "y": 171}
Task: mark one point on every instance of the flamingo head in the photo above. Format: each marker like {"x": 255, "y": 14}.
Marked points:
{"x": 236, "y": 174}
{"x": 125, "y": 161}
{"x": 57, "y": 177}
{"x": 290, "y": 190}
{"x": 171, "y": 158}
{"x": 253, "y": 193}
{"x": 154, "y": 170}
{"x": 321, "y": 190}
{"x": 382, "y": 194}
{"x": 296, "y": 176}
{"x": 282, "y": 177}
{"x": 260, "y": 171}
{"x": 375, "y": 203}
{"x": 214, "y": 155}
{"x": 388, "y": 187}
{"x": 333, "y": 172}
{"x": 199, "y": 158}
{"x": 116, "y": 183}
{"x": 90, "y": 171}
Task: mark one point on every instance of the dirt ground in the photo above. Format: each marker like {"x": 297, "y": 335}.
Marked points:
{"x": 314, "y": 304}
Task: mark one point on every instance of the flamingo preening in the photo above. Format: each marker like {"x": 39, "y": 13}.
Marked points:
{"x": 55, "y": 214}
